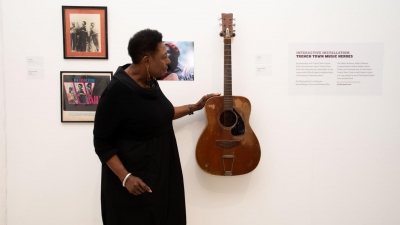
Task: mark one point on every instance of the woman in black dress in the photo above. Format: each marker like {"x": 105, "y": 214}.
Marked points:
{"x": 142, "y": 180}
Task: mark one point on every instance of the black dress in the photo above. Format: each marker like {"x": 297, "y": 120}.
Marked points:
{"x": 136, "y": 124}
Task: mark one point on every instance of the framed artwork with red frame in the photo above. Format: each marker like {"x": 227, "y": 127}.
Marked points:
{"x": 85, "y": 32}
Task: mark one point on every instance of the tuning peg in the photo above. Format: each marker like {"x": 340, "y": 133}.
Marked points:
{"x": 221, "y": 34}
{"x": 234, "y": 24}
{"x": 234, "y": 19}
{"x": 219, "y": 18}
{"x": 220, "y": 24}
{"x": 233, "y": 34}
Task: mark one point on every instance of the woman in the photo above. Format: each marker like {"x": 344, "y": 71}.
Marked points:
{"x": 142, "y": 179}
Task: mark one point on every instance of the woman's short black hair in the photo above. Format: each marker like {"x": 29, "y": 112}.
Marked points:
{"x": 142, "y": 43}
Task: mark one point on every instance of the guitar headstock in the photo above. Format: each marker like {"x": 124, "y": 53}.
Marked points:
{"x": 227, "y": 26}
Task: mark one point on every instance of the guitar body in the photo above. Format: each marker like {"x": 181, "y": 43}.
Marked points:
{"x": 228, "y": 145}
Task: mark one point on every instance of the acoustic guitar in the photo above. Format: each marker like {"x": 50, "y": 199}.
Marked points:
{"x": 228, "y": 146}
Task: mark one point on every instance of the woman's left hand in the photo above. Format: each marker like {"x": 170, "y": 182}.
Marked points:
{"x": 200, "y": 104}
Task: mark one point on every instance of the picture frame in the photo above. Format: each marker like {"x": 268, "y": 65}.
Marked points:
{"x": 85, "y": 34}
{"x": 80, "y": 93}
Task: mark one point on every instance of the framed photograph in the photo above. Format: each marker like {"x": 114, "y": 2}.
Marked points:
{"x": 85, "y": 32}
{"x": 80, "y": 94}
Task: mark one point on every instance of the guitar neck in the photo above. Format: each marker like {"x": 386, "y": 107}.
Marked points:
{"x": 227, "y": 74}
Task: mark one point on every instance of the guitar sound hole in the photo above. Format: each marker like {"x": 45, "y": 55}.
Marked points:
{"x": 228, "y": 118}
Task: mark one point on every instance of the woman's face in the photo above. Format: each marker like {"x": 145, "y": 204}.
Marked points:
{"x": 158, "y": 62}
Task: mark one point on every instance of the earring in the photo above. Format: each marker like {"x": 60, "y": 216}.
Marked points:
{"x": 149, "y": 82}
{"x": 148, "y": 74}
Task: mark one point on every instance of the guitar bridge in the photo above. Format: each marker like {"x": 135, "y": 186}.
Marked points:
{"x": 227, "y": 158}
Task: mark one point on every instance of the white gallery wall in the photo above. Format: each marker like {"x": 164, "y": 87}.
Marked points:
{"x": 3, "y": 153}
{"x": 325, "y": 159}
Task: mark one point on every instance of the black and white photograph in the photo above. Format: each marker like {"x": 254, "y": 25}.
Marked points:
{"x": 85, "y": 32}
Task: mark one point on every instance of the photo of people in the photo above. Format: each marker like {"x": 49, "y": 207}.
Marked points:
{"x": 85, "y": 32}
{"x": 181, "y": 54}
{"x": 78, "y": 93}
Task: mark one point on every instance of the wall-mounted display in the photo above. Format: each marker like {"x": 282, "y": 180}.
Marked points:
{"x": 85, "y": 32}
{"x": 181, "y": 54}
{"x": 336, "y": 68}
{"x": 80, "y": 94}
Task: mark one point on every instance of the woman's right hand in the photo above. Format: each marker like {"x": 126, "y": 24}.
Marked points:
{"x": 136, "y": 186}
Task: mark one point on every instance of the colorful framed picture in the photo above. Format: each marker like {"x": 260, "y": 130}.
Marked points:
{"x": 85, "y": 32}
{"x": 181, "y": 54}
{"x": 80, "y": 94}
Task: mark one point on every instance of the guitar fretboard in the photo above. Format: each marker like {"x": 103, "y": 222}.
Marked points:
{"x": 227, "y": 74}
